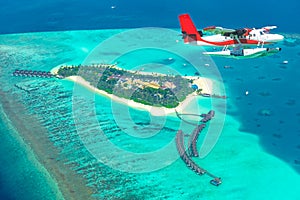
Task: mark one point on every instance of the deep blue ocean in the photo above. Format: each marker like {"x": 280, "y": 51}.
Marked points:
{"x": 31, "y": 16}
{"x": 270, "y": 111}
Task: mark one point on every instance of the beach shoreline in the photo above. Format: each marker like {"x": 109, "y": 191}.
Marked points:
{"x": 153, "y": 110}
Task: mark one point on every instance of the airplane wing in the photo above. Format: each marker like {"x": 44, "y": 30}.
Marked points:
{"x": 225, "y": 30}
{"x": 269, "y": 27}
{"x": 217, "y": 30}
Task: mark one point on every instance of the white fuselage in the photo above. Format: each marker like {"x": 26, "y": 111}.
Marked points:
{"x": 255, "y": 36}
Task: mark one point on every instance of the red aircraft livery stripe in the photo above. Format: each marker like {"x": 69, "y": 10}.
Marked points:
{"x": 230, "y": 42}
{"x": 192, "y": 34}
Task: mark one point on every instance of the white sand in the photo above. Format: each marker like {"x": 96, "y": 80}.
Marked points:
{"x": 204, "y": 83}
{"x": 55, "y": 69}
{"x": 155, "y": 111}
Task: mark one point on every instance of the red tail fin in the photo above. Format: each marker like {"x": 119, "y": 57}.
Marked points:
{"x": 188, "y": 29}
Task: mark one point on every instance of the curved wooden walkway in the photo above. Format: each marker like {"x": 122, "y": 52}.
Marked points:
{"x": 192, "y": 145}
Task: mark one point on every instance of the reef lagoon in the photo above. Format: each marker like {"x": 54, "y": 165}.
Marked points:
{"x": 52, "y": 130}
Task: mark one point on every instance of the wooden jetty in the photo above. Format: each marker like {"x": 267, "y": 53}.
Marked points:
{"x": 179, "y": 116}
{"x": 183, "y": 155}
{"x": 33, "y": 73}
{"x": 208, "y": 116}
{"x": 192, "y": 146}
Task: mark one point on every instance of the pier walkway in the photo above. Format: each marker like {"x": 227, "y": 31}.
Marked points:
{"x": 183, "y": 155}
{"x": 179, "y": 116}
{"x": 206, "y": 117}
{"x": 33, "y": 73}
{"x": 192, "y": 146}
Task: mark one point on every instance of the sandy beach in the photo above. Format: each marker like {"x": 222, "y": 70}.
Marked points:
{"x": 55, "y": 69}
{"x": 204, "y": 83}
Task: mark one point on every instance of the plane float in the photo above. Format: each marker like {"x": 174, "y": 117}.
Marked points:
{"x": 236, "y": 38}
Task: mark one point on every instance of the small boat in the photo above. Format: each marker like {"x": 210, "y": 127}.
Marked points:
{"x": 216, "y": 181}
{"x": 205, "y": 95}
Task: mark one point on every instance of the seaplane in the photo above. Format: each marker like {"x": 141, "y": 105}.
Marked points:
{"x": 239, "y": 39}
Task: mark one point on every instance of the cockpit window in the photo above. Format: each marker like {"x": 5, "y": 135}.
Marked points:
{"x": 261, "y": 33}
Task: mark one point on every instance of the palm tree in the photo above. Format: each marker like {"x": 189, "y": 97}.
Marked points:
{"x": 199, "y": 91}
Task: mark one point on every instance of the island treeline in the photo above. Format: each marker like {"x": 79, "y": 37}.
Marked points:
{"x": 146, "y": 88}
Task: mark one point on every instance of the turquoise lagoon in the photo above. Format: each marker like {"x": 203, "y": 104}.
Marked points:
{"x": 124, "y": 153}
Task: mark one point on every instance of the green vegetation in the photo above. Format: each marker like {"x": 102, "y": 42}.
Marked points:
{"x": 148, "y": 89}
{"x": 199, "y": 91}
{"x": 156, "y": 97}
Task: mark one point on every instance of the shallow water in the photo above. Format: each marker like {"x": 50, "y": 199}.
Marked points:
{"x": 251, "y": 148}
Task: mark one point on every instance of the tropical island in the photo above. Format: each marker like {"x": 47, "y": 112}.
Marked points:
{"x": 146, "y": 88}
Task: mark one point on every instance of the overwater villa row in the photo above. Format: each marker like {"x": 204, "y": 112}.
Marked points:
{"x": 192, "y": 147}
{"x": 33, "y": 73}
